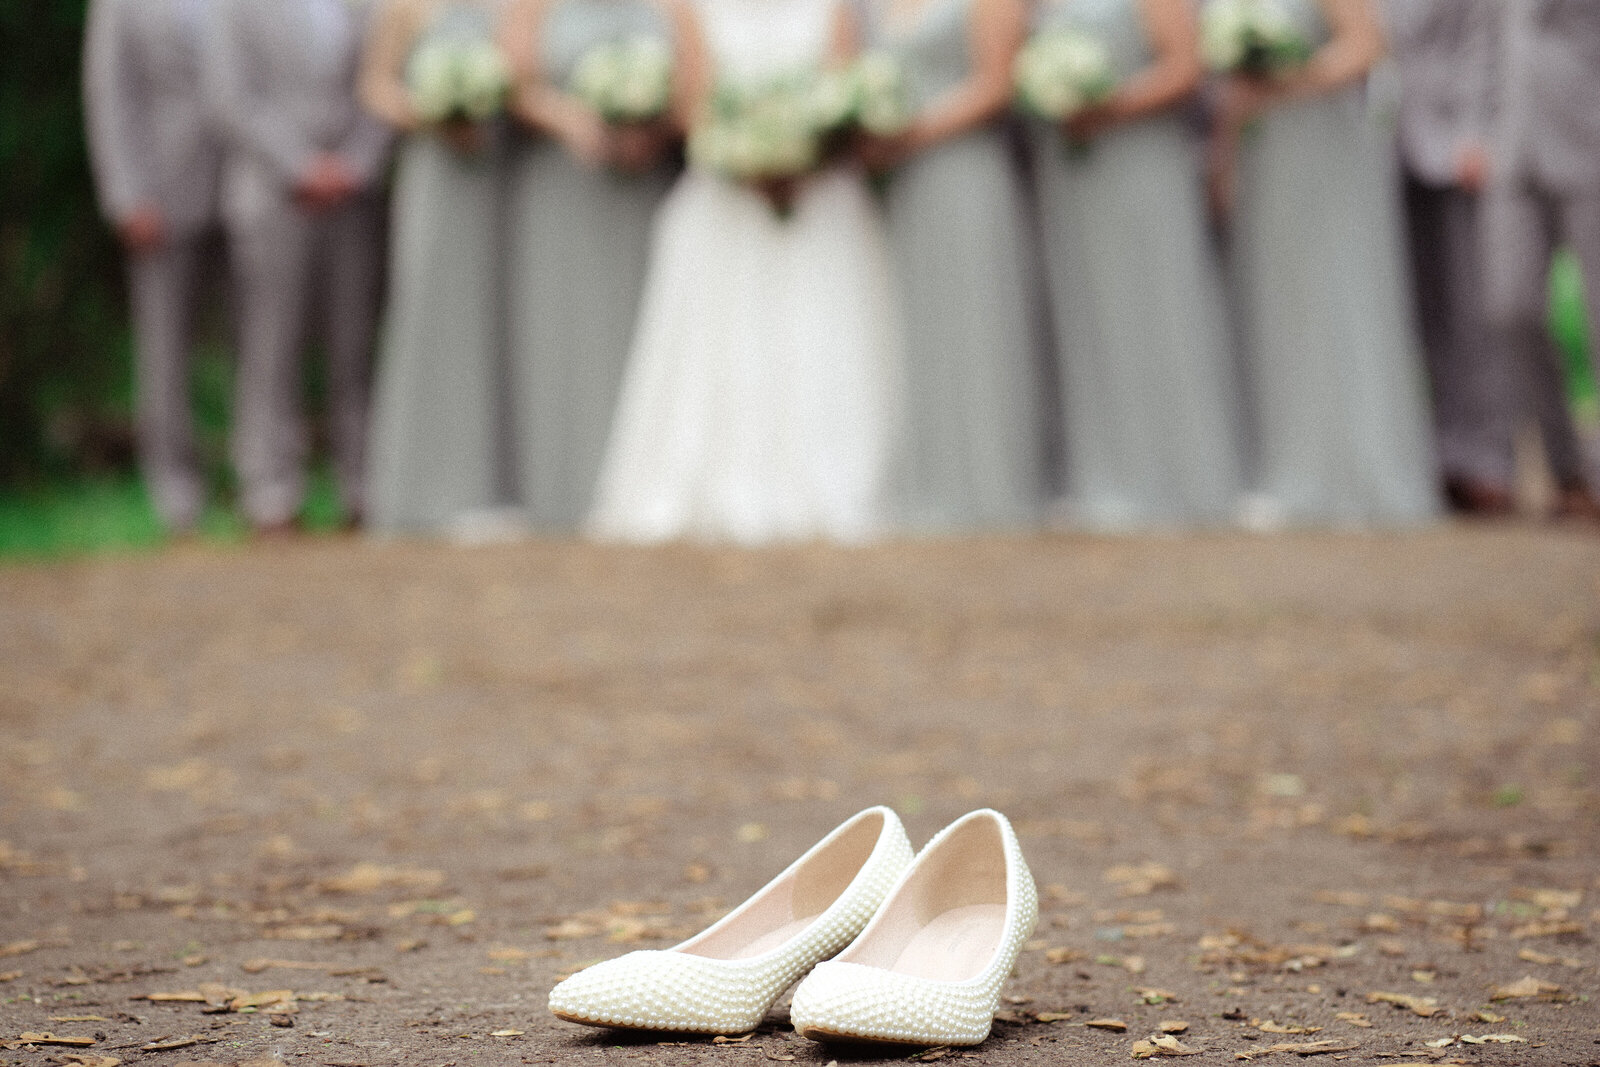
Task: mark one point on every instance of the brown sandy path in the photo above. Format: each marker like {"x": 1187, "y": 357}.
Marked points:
{"x": 1259, "y": 780}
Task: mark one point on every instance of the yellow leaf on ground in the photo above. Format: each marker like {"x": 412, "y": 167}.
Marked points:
{"x": 1107, "y": 1024}
{"x": 1526, "y": 986}
{"x": 1271, "y": 1027}
{"x": 1427, "y": 1007}
{"x": 507, "y": 1033}
{"x": 1162, "y": 1046}
{"x": 48, "y": 1038}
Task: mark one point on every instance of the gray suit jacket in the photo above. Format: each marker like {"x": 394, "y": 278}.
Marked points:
{"x": 1547, "y": 77}
{"x": 151, "y": 139}
{"x": 1443, "y": 50}
{"x": 283, "y": 99}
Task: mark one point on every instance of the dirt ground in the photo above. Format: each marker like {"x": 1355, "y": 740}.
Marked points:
{"x": 1333, "y": 798}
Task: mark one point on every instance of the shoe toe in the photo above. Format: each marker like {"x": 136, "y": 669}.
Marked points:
{"x": 660, "y": 990}
{"x": 848, "y": 1001}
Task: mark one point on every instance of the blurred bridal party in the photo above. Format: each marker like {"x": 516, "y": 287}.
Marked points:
{"x": 765, "y": 271}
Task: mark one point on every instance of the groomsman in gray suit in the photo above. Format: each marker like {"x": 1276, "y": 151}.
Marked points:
{"x": 1442, "y": 49}
{"x": 157, "y": 160}
{"x": 305, "y": 222}
{"x": 1544, "y": 191}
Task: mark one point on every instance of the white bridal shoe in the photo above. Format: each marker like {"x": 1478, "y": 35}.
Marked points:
{"x": 725, "y": 978}
{"x": 928, "y": 969}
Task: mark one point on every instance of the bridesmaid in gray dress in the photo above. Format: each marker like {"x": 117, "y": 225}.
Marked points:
{"x": 437, "y": 451}
{"x": 1329, "y": 344}
{"x": 972, "y": 453}
{"x": 1147, "y": 374}
{"x": 583, "y": 197}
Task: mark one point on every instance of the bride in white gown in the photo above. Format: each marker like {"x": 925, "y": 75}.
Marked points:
{"x": 760, "y": 396}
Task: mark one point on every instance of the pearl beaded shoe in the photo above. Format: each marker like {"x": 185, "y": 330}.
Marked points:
{"x": 928, "y": 969}
{"x": 725, "y": 978}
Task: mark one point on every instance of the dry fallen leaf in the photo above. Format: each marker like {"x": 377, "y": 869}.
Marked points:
{"x": 1272, "y": 1027}
{"x": 1310, "y": 1048}
{"x": 1488, "y": 1017}
{"x": 1354, "y": 1018}
{"x": 79, "y": 1019}
{"x": 47, "y": 1038}
{"x": 1174, "y": 1026}
{"x": 10, "y": 976}
{"x": 371, "y": 877}
{"x": 1140, "y": 880}
{"x": 1427, "y": 1007}
{"x": 1526, "y": 986}
{"x": 1493, "y": 1039}
{"x": 168, "y": 1044}
{"x": 507, "y": 1033}
{"x": 724, "y": 1039}
{"x": 1156, "y": 996}
{"x": 1108, "y": 1024}
{"x": 1543, "y": 960}
{"x": 78, "y": 1059}
{"x": 1162, "y": 1046}
{"x": 18, "y": 948}
{"x": 1548, "y": 929}
{"x": 509, "y": 955}
{"x": 570, "y": 930}
{"x": 1053, "y": 1016}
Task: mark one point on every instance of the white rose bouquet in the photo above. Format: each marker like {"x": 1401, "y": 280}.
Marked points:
{"x": 765, "y": 130}
{"x": 458, "y": 80}
{"x": 626, "y": 81}
{"x": 1059, "y": 72}
{"x": 868, "y": 95}
{"x": 1255, "y": 37}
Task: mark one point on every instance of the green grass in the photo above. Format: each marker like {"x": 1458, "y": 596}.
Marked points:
{"x": 1572, "y": 331}
{"x": 112, "y": 513}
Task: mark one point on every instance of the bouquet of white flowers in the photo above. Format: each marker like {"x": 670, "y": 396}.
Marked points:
{"x": 1060, "y": 72}
{"x": 870, "y": 95}
{"x": 455, "y": 79}
{"x": 759, "y": 130}
{"x": 628, "y": 80}
{"x": 1251, "y": 37}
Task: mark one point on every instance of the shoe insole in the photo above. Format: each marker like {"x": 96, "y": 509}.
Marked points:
{"x": 958, "y": 944}
{"x": 769, "y": 940}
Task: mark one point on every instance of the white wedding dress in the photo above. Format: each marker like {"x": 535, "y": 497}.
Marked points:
{"x": 760, "y": 397}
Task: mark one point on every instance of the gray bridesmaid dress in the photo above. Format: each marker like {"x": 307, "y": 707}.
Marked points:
{"x": 1148, "y": 383}
{"x": 971, "y": 453}
{"x": 437, "y": 440}
{"x": 1321, "y": 298}
{"x": 579, "y": 246}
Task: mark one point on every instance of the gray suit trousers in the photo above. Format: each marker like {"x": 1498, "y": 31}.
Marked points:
{"x": 165, "y": 289}
{"x": 1469, "y": 376}
{"x": 1522, "y": 228}
{"x": 303, "y": 276}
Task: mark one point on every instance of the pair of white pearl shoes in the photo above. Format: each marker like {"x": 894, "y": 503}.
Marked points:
{"x": 927, "y": 942}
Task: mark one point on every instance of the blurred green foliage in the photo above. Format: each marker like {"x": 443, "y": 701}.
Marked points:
{"x": 1574, "y": 334}
{"x": 64, "y": 348}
